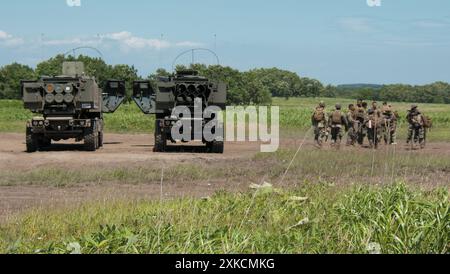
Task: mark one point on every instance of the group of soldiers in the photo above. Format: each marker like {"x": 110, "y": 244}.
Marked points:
{"x": 361, "y": 122}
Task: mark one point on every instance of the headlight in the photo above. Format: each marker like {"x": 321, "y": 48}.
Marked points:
{"x": 41, "y": 123}
{"x": 68, "y": 98}
{"x": 59, "y": 98}
{"x": 49, "y": 98}
{"x": 68, "y": 88}
{"x": 49, "y": 88}
{"x": 59, "y": 88}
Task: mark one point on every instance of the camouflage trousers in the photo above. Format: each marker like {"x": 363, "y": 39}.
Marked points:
{"x": 361, "y": 133}
{"x": 336, "y": 135}
{"x": 352, "y": 136}
{"x": 390, "y": 132}
{"x": 320, "y": 133}
{"x": 374, "y": 135}
{"x": 418, "y": 133}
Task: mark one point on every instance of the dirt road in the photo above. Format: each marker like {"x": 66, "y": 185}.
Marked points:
{"x": 118, "y": 151}
{"x": 124, "y": 151}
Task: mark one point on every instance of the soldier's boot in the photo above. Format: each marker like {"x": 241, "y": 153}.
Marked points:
{"x": 350, "y": 141}
{"x": 318, "y": 143}
{"x": 422, "y": 143}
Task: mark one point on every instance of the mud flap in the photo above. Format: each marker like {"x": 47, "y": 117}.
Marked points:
{"x": 114, "y": 94}
{"x": 144, "y": 96}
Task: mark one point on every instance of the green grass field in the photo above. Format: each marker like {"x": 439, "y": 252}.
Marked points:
{"x": 295, "y": 116}
{"x": 316, "y": 218}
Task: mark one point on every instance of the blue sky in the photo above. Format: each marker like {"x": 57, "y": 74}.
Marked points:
{"x": 345, "y": 41}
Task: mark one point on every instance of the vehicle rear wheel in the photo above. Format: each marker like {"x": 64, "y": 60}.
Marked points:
{"x": 218, "y": 147}
{"x": 91, "y": 138}
{"x": 215, "y": 146}
{"x": 31, "y": 141}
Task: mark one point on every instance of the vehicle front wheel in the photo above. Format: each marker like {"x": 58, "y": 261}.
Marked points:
{"x": 91, "y": 138}
{"x": 32, "y": 141}
{"x": 100, "y": 139}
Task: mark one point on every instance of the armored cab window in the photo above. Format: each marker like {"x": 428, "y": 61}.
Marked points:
{"x": 143, "y": 85}
{"x": 114, "y": 84}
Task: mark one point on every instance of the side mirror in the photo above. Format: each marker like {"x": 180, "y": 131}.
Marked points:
{"x": 114, "y": 94}
{"x": 144, "y": 96}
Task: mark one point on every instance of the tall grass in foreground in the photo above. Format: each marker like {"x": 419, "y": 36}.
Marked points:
{"x": 316, "y": 218}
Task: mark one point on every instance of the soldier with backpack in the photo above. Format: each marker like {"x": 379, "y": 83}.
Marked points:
{"x": 418, "y": 124}
{"x": 319, "y": 122}
{"x": 353, "y": 125}
{"x": 373, "y": 125}
{"x": 389, "y": 123}
{"x": 362, "y": 117}
{"x": 337, "y": 121}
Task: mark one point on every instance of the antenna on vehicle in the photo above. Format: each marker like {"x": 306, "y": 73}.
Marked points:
{"x": 192, "y": 51}
{"x": 84, "y": 47}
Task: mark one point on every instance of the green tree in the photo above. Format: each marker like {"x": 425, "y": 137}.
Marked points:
{"x": 93, "y": 67}
{"x": 127, "y": 73}
{"x": 10, "y": 77}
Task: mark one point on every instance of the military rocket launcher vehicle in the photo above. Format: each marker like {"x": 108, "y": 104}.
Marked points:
{"x": 183, "y": 90}
{"x": 69, "y": 106}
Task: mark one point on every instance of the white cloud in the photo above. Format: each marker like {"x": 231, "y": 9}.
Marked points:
{"x": 430, "y": 24}
{"x": 188, "y": 44}
{"x": 128, "y": 41}
{"x": 9, "y": 40}
{"x": 4, "y": 35}
{"x": 124, "y": 40}
{"x": 355, "y": 24}
{"x": 70, "y": 41}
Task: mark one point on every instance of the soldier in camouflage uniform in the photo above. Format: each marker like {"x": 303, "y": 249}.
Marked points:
{"x": 337, "y": 122}
{"x": 362, "y": 117}
{"x": 353, "y": 125}
{"x": 416, "y": 127}
{"x": 319, "y": 122}
{"x": 373, "y": 125}
{"x": 389, "y": 123}
{"x": 376, "y": 110}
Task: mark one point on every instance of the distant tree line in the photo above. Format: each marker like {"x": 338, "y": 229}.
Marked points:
{"x": 256, "y": 86}
{"x": 437, "y": 93}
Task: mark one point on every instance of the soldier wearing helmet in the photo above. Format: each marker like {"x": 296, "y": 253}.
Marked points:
{"x": 389, "y": 124}
{"x": 373, "y": 125}
{"x": 319, "y": 123}
{"x": 417, "y": 123}
{"x": 337, "y": 122}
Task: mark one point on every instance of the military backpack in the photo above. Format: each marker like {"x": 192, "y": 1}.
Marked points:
{"x": 427, "y": 121}
{"x": 336, "y": 117}
{"x": 319, "y": 115}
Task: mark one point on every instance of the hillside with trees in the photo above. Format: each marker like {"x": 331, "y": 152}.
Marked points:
{"x": 256, "y": 86}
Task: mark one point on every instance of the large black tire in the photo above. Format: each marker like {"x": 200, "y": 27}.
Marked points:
{"x": 32, "y": 141}
{"x": 100, "y": 139}
{"x": 91, "y": 138}
{"x": 217, "y": 147}
{"x": 160, "y": 139}
{"x": 46, "y": 142}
